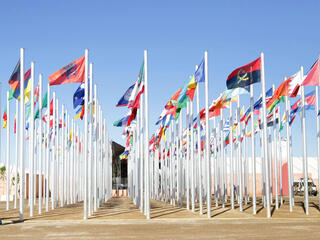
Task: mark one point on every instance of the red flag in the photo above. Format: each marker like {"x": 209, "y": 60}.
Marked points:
{"x": 72, "y": 73}
{"x": 312, "y": 78}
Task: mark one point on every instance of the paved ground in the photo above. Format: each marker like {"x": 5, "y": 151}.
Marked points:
{"x": 120, "y": 219}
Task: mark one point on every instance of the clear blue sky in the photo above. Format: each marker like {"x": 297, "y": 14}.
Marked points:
{"x": 176, "y": 33}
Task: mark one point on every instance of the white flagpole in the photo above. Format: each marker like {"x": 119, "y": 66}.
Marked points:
{"x": 231, "y": 158}
{"x": 8, "y": 153}
{"x": 275, "y": 156}
{"x": 304, "y": 148}
{"x": 318, "y": 137}
{"x": 199, "y": 150}
{"x": 146, "y": 147}
{"x": 318, "y": 132}
{"x": 22, "y": 134}
{"x": 95, "y": 125}
{"x": 188, "y": 156}
{"x": 31, "y": 143}
{"x": 207, "y": 135}
{"x": 56, "y": 172}
{"x": 192, "y": 159}
{"x": 288, "y": 152}
{"x": 40, "y": 145}
{"x": 48, "y": 149}
{"x": 264, "y": 115}
{"x": 239, "y": 156}
{"x": 68, "y": 164}
{"x": 85, "y": 201}
{"x": 253, "y": 152}
{"x": 53, "y": 193}
{"x": 16, "y": 157}
{"x": 280, "y": 157}
{"x": 141, "y": 154}
{"x": 90, "y": 149}
{"x": 63, "y": 161}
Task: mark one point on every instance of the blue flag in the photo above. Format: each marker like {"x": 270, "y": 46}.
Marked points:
{"x": 78, "y": 96}
{"x": 124, "y": 101}
{"x": 199, "y": 74}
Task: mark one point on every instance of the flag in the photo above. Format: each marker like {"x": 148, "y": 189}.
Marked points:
{"x": 122, "y": 122}
{"x": 15, "y": 85}
{"x": 44, "y": 105}
{"x": 245, "y": 75}
{"x": 71, "y": 73}
{"x": 312, "y": 78}
{"x": 234, "y": 93}
{"x": 78, "y": 113}
{"x": 5, "y": 118}
{"x": 78, "y": 96}
{"x": 294, "y": 84}
{"x": 36, "y": 94}
{"x": 199, "y": 74}
{"x": 124, "y": 155}
{"x": 124, "y": 100}
{"x": 138, "y": 87}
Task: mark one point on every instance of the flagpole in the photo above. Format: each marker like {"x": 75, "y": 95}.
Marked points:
{"x": 146, "y": 147}
{"x": 239, "y": 156}
{"x": 207, "y": 135}
{"x": 85, "y": 201}
{"x": 8, "y": 153}
{"x": 318, "y": 132}
{"x": 264, "y": 110}
{"x": 231, "y": 157}
{"x": 53, "y": 193}
{"x": 31, "y": 142}
{"x": 95, "y": 155}
{"x": 141, "y": 155}
{"x": 48, "y": 149}
{"x": 188, "y": 156}
{"x": 16, "y": 158}
{"x": 22, "y": 136}
{"x": 199, "y": 149}
{"x": 280, "y": 157}
{"x": 275, "y": 156}
{"x": 253, "y": 152}
{"x": 40, "y": 145}
{"x": 288, "y": 153}
{"x": 304, "y": 148}
{"x": 56, "y": 172}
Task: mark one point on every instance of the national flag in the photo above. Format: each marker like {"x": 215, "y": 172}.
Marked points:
{"x": 282, "y": 90}
{"x": 124, "y": 155}
{"x": 5, "y": 118}
{"x": 312, "y": 79}
{"x": 199, "y": 74}
{"x": 71, "y": 73}
{"x": 78, "y": 113}
{"x": 310, "y": 100}
{"x": 138, "y": 87}
{"x": 294, "y": 84}
{"x": 78, "y": 96}
{"x": 15, "y": 85}
{"x": 36, "y": 94}
{"x": 123, "y": 121}
{"x": 245, "y": 75}
{"x": 124, "y": 100}
{"x": 44, "y": 105}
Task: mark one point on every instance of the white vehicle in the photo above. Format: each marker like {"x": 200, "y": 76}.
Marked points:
{"x": 298, "y": 186}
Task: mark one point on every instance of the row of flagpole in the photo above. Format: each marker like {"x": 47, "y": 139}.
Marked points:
{"x": 60, "y": 156}
{"x": 178, "y": 173}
